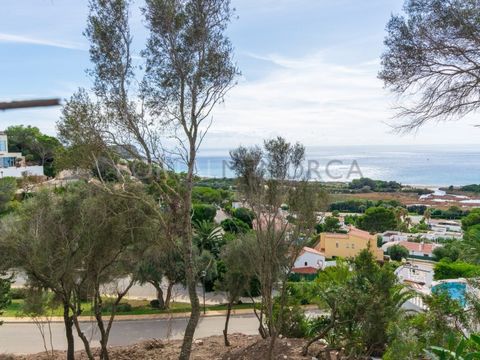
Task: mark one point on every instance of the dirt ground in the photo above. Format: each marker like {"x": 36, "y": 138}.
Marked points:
{"x": 242, "y": 347}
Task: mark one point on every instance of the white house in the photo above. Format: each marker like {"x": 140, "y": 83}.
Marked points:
{"x": 389, "y": 236}
{"x": 310, "y": 258}
{"x": 13, "y": 164}
{"x": 420, "y": 249}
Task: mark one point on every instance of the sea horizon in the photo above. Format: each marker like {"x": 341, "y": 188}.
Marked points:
{"x": 417, "y": 165}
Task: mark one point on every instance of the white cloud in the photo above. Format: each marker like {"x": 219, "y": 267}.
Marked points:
{"x": 316, "y": 102}
{"x": 25, "y": 39}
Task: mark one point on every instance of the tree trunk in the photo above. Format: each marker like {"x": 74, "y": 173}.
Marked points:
{"x": 84, "y": 339}
{"x": 190, "y": 275}
{"x": 161, "y": 302}
{"x": 169, "y": 294}
{"x": 318, "y": 337}
{"x": 225, "y": 331}
{"x": 68, "y": 321}
{"x": 195, "y": 303}
{"x": 97, "y": 304}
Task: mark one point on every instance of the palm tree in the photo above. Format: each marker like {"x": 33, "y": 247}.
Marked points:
{"x": 207, "y": 236}
{"x": 427, "y": 215}
{"x": 400, "y": 215}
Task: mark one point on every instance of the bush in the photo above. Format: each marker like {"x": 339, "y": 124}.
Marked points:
{"x": 295, "y": 323}
{"x": 208, "y": 195}
{"x": 234, "y": 226}
{"x": 397, "y": 252}
{"x": 472, "y": 219}
{"x": 454, "y": 270}
{"x": 155, "y": 304}
{"x": 18, "y": 293}
{"x": 245, "y": 215}
{"x": 377, "y": 219}
{"x": 203, "y": 212}
{"x": 121, "y": 308}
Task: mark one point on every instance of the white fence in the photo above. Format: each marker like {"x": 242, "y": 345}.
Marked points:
{"x": 18, "y": 172}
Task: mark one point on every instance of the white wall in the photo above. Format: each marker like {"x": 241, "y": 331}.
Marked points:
{"x": 313, "y": 260}
{"x": 18, "y": 172}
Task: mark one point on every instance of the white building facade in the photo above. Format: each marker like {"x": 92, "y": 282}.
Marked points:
{"x": 310, "y": 258}
{"x": 13, "y": 164}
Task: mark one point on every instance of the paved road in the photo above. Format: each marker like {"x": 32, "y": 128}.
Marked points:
{"x": 25, "y": 338}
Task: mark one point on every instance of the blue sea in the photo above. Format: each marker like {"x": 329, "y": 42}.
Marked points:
{"x": 430, "y": 165}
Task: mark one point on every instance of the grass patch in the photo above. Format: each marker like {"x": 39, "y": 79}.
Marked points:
{"x": 139, "y": 307}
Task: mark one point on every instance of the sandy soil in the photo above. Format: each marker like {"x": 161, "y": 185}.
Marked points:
{"x": 242, "y": 347}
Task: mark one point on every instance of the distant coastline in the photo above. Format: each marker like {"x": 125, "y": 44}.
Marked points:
{"x": 426, "y": 166}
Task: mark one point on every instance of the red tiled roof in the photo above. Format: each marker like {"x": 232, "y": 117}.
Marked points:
{"x": 418, "y": 247}
{"x": 360, "y": 233}
{"x": 305, "y": 270}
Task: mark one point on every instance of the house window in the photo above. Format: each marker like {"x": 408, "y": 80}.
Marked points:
{"x": 336, "y": 244}
{"x": 353, "y": 246}
{"x": 3, "y": 145}
{"x": 7, "y": 162}
{"x": 306, "y": 263}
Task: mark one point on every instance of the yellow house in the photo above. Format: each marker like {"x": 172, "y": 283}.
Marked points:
{"x": 348, "y": 245}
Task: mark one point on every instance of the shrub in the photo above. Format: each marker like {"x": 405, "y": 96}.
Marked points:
{"x": 295, "y": 322}
{"x": 397, "y": 252}
{"x": 245, "y": 215}
{"x": 454, "y": 270}
{"x": 203, "y": 212}
{"x": 155, "y": 304}
{"x": 121, "y": 308}
{"x": 234, "y": 226}
{"x": 18, "y": 293}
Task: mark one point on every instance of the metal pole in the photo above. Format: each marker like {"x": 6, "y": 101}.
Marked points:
{"x": 204, "y": 310}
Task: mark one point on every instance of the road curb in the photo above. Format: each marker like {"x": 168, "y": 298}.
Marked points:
{"x": 164, "y": 316}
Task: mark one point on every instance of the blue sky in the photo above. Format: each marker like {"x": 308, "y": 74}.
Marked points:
{"x": 308, "y": 71}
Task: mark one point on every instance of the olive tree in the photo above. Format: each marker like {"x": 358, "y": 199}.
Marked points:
{"x": 41, "y": 239}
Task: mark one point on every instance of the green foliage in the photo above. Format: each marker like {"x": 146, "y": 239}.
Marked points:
{"x": 378, "y": 219}
{"x": 5, "y": 294}
{"x": 208, "y": 195}
{"x": 472, "y": 219}
{"x": 472, "y": 188}
{"x": 8, "y": 187}
{"x": 245, "y": 215}
{"x": 234, "y": 225}
{"x": 452, "y": 213}
{"x": 18, "y": 293}
{"x": 295, "y": 323}
{"x": 203, "y": 212}
{"x": 330, "y": 224}
{"x": 123, "y": 307}
{"x": 237, "y": 274}
{"x": 367, "y": 184}
{"x": 443, "y": 324}
{"x": 363, "y": 299}
{"x": 207, "y": 236}
{"x": 35, "y": 146}
{"x": 454, "y": 270}
{"x": 359, "y": 206}
{"x": 397, "y": 252}
{"x": 450, "y": 250}
{"x": 466, "y": 349}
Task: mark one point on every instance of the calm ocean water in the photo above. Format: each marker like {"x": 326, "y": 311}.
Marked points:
{"x": 420, "y": 165}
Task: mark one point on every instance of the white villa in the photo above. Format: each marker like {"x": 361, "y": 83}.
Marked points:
{"x": 13, "y": 164}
